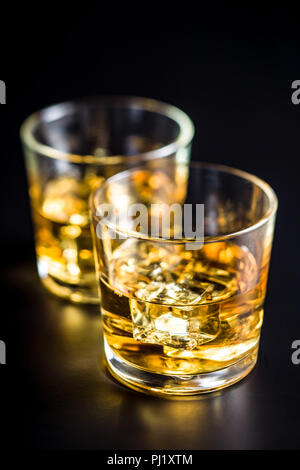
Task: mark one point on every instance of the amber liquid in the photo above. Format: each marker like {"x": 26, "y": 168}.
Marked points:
{"x": 172, "y": 311}
{"x": 63, "y": 238}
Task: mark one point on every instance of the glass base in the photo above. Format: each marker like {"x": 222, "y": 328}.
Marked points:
{"x": 77, "y": 294}
{"x": 180, "y": 385}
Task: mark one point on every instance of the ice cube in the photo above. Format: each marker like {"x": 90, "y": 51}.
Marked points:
{"x": 185, "y": 327}
{"x": 168, "y": 323}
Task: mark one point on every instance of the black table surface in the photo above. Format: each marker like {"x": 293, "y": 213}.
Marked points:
{"x": 65, "y": 398}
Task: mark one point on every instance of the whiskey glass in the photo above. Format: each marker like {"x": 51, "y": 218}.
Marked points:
{"x": 181, "y": 313}
{"x": 71, "y": 149}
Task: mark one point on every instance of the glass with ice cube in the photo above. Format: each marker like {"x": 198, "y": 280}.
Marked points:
{"x": 182, "y": 315}
{"x": 70, "y": 150}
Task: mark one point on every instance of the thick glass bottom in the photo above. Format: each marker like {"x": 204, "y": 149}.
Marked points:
{"x": 74, "y": 293}
{"x": 180, "y": 385}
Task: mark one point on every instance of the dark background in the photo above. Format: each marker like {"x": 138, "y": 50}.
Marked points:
{"x": 231, "y": 70}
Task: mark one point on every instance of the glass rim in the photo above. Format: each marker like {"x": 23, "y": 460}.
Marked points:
{"x": 55, "y": 111}
{"x": 263, "y": 185}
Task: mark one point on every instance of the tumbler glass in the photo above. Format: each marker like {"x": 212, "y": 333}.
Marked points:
{"x": 70, "y": 149}
{"x": 181, "y": 295}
